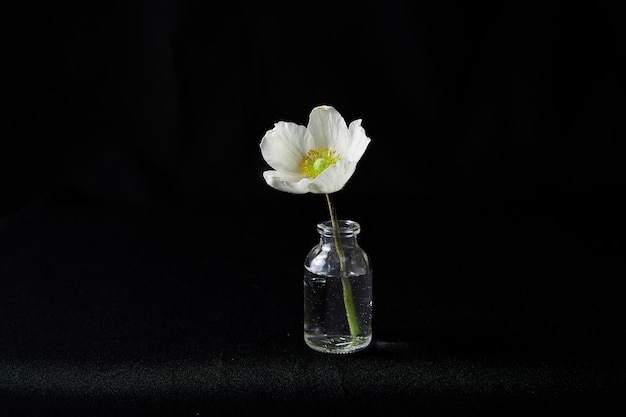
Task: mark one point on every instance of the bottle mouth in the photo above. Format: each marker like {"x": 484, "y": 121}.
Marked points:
{"x": 346, "y": 227}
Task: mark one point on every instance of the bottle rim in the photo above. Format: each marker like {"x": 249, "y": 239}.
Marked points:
{"x": 346, "y": 227}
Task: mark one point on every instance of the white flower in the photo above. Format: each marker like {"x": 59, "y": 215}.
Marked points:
{"x": 319, "y": 158}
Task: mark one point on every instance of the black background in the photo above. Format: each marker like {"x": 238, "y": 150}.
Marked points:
{"x": 146, "y": 266}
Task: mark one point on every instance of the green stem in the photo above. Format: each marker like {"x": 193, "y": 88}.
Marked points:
{"x": 345, "y": 281}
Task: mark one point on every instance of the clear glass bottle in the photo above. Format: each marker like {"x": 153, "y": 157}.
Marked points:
{"x": 338, "y": 295}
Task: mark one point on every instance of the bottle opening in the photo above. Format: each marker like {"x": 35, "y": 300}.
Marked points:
{"x": 346, "y": 227}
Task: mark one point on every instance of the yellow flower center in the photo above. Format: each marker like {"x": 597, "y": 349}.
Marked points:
{"x": 316, "y": 161}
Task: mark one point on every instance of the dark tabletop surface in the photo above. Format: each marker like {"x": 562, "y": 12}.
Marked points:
{"x": 484, "y": 305}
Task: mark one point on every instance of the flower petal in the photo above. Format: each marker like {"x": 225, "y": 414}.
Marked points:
{"x": 283, "y": 146}
{"x": 328, "y": 128}
{"x": 358, "y": 141}
{"x": 294, "y": 184}
{"x": 334, "y": 178}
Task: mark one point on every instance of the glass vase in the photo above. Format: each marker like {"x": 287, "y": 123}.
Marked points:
{"x": 338, "y": 291}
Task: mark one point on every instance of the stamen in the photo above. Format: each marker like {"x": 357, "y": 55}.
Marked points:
{"x": 316, "y": 161}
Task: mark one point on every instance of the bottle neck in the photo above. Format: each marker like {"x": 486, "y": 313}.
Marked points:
{"x": 348, "y": 231}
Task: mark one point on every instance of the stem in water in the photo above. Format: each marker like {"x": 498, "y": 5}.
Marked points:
{"x": 345, "y": 281}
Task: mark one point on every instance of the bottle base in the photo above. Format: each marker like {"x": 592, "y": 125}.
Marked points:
{"x": 337, "y": 344}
